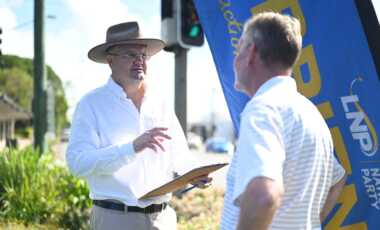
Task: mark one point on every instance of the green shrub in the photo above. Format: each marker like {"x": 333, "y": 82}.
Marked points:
{"x": 37, "y": 190}
{"x": 76, "y": 208}
{"x": 39, "y": 193}
{"x": 22, "y": 175}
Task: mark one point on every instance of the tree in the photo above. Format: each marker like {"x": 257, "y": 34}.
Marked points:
{"x": 16, "y": 80}
{"x": 18, "y": 85}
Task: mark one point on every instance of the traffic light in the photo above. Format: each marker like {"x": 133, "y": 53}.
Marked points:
{"x": 190, "y": 32}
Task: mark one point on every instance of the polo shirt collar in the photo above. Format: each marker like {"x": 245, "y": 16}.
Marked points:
{"x": 285, "y": 81}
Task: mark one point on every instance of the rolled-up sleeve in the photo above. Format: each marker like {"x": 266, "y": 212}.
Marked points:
{"x": 260, "y": 151}
{"x": 84, "y": 155}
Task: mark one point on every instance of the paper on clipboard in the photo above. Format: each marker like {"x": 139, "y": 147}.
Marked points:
{"x": 183, "y": 180}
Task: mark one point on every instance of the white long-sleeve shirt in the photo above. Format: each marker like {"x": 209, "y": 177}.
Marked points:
{"x": 100, "y": 148}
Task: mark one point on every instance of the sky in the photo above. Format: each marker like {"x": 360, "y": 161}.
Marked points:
{"x": 81, "y": 24}
{"x": 76, "y": 27}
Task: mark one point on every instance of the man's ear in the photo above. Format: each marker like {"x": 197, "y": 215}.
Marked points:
{"x": 109, "y": 60}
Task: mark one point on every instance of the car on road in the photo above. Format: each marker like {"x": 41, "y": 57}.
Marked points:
{"x": 219, "y": 145}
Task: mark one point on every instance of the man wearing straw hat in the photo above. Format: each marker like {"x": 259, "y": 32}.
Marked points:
{"x": 124, "y": 140}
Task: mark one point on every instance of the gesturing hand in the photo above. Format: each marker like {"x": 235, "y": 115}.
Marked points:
{"x": 151, "y": 139}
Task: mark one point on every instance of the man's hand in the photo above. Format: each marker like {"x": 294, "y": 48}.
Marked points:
{"x": 202, "y": 182}
{"x": 151, "y": 139}
{"x": 332, "y": 197}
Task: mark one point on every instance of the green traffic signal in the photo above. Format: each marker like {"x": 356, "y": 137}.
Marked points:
{"x": 191, "y": 32}
{"x": 194, "y": 31}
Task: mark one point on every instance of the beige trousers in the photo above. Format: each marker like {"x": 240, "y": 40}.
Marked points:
{"x": 107, "y": 219}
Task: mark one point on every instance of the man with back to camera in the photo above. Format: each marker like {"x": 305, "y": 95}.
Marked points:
{"x": 284, "y": 174}
{"x": 125, "y": 140}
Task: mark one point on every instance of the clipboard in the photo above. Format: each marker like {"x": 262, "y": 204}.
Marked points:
{"x": 182, "y": 181}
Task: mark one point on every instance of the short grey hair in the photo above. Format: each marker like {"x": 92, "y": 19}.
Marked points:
{"x": 277, "y": 37}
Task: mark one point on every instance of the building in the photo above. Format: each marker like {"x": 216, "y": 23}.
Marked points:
{"x": 10, "y": 112}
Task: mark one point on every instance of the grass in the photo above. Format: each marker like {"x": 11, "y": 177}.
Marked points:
{"x": 21, "y": 226}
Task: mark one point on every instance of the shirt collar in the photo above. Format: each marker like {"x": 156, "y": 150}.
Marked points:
{"x": 119, "y": 91}
{"x": 285, "y": 81}
{"x": 115, "y": 88}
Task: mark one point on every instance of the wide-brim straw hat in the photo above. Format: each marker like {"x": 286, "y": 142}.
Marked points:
{"x": 124, "y": 33}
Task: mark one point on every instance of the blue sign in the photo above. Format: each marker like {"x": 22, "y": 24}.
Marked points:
{"x": 336, "y": 71}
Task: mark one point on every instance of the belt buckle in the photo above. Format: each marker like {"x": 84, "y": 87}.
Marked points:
{"x": 154, "y": 208}
{"x": 162, "y": 207}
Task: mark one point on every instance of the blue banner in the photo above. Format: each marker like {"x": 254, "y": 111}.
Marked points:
{"x": 336, "y": 71}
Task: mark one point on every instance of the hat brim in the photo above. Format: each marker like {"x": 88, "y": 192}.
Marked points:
{"x": 98, "y": 53}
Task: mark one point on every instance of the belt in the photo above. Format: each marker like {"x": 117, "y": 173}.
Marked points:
{"x": 122, "y": 207}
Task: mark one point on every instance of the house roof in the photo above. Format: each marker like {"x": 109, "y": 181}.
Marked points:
{"x": 11, "y": 110}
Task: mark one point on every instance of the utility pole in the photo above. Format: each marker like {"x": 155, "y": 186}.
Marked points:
{"x": 180, "y": 97}
{"x": 39, "y": 98}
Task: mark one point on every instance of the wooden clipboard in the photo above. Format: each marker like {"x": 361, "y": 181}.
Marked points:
{"x": 183, "y": 180}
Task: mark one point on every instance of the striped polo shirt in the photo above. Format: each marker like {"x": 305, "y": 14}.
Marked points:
{"x": 283, "y": 137}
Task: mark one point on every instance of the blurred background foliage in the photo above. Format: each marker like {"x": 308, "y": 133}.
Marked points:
{"x": 16, "y": 80}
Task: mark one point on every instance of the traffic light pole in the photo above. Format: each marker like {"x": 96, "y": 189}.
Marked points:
{"x": 180, "y": 98}
{"x": 181, "y": 30}
{"x": 39, "y": 111}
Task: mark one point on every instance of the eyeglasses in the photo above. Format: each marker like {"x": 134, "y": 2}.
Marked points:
{"x": 133, "y": 56}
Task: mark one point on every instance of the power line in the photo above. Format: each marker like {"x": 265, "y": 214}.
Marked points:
{"x": 49, "y": 16}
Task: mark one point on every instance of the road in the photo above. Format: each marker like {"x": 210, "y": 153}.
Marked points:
{"x": 203, "y": 157}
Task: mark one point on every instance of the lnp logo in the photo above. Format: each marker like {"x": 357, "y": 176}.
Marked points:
{"x": 364, "y": 133}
